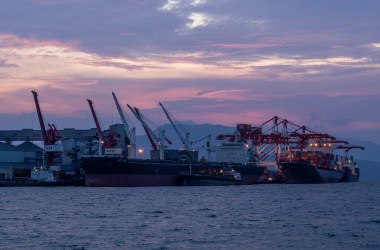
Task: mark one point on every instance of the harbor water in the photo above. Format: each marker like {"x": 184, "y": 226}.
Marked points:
{"x": 324, "y": 216}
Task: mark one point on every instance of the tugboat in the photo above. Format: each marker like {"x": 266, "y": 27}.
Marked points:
{"x": 351, "y": 172}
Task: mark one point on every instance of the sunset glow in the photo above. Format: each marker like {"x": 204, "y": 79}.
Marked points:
{"x": 195, "y": 56}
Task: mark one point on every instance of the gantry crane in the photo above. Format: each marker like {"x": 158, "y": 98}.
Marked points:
{"x": 131, "y": 132}
{"x": 109, "y": 143}
{"x": 51, "y": 137}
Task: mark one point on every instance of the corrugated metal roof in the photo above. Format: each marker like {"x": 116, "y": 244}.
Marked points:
{"x": 29, "y": 146}
{"x": 7, "y": 147}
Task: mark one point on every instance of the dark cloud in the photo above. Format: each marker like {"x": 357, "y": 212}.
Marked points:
{"x": 140, "y": 27}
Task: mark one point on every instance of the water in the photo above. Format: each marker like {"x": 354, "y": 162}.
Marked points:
{"x": 330, "y": 216}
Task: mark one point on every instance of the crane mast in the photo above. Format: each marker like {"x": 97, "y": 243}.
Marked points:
{"x": 158, "y": 145}
{"x": 109, "y": 143}
{"x": 50, "y": 137}
{"x": 148, "y": 131}
{"x": 100, "y": 132}
{"x": 185, "y": 140}
{"x": 40, "y": 118}
{"x": 131, "y": 133}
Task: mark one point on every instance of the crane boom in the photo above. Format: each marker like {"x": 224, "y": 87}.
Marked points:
{"x": 100, "y": 132}
{"x": 185, "y": 141}
{"x": 148, "y": 131}
{"x": 131, "y": 133}
{"x": 119, "y": 109}
{"x": 40, "y": 118}
{"x": 50, "y": 137}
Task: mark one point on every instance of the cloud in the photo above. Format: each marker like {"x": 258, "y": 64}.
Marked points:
{"x": 170, "y": 5}
{"x": 243, "y": 46}
{"x": 198, "y": 20}
{"x": 3, "y": 63}
{"x": 227, "y": 94}
{"x": 215, "y": 61}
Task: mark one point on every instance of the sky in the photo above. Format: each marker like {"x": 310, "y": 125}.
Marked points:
{"x": 316, "y": 63}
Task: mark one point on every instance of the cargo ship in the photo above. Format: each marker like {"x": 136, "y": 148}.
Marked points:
{"x": 165, "y": 166}
{"x": 113, "y": 171}
{"x": 316, "y": 164}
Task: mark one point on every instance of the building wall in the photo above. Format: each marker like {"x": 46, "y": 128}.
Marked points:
{"x": 17, "y": 156}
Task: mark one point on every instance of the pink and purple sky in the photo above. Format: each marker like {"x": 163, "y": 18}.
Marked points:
{"x": 316, "y": 63}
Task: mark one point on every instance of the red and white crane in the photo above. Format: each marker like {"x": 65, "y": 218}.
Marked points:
{"x": 110, "y": 142}
{"x": 51, "y": 137}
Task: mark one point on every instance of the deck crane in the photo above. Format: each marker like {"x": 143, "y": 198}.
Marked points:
{"x": 184, "y": 139}
{"x": 51, "y": 137}
{"x": 208, "y": 144}
{"x": 155, "y": 141}
{"x": 109, "y": 142}
{"x": 131, "y": 132}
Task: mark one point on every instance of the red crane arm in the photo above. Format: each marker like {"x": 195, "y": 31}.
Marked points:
{"x": 41, "y": 120}
{"x": 146, "y": 130}
{"x": 96, "y": 120}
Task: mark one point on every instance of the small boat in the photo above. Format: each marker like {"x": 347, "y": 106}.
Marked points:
{"x": 222, "y": 178}
{"x": 351, "y": 172}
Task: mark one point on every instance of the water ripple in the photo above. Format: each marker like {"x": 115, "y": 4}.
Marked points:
{"x": 343, "y": 216}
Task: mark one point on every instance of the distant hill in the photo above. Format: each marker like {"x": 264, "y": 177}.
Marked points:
{"x": 369, "y": 170}
{"x": 370, "y": 153}
{"x": 368, "y": 160}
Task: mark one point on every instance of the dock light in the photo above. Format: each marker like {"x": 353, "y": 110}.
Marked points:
{"x": 140, "y": 151}
{"x": 316, "y": 144}
{"x": 311, "y": 144}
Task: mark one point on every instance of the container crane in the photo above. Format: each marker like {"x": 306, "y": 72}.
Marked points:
{"x": 184, "y": 139}
{"x": 131, "y": 133}
{"x": 286, "y": 135}
{"x": 155, "y": 141}
{"x": 51, "y": 137}
{"x": 109, "y": 142}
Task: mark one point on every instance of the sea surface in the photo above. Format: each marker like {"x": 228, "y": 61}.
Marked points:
{"x": 324, "y": 216}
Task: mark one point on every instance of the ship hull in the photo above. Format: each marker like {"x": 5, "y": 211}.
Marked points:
{"x": 305, "y": 173}
{"x": 349, "y": 176}
{"x": 207, "y": 180}
{"x": 123, "y": 172}
{"x": 131, "y": 180}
